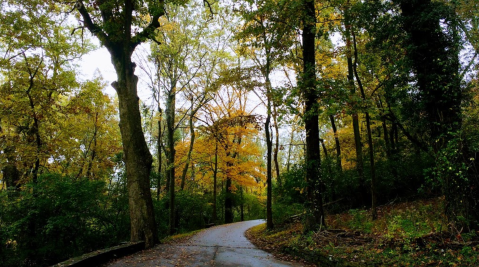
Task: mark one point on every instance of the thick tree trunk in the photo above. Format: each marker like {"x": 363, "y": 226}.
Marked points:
{"x": 434, "y": 56}
{"x": 435, "y": 62}
{"x": 137, "y": 156}
{"x": 170, "y": 125}
{"x": 313, "y": 159}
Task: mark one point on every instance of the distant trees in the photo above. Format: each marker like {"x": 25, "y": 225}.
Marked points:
{"x": 388, "y": 91}
{"x": 44, "y": 102}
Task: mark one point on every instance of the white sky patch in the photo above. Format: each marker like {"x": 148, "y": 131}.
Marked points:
{"x": 99, "y": 62}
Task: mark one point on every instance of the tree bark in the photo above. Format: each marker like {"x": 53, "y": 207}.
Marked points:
{"x": 160, "y": 161}
{"x": 269, "y": 148}
{"x": 313, "y": 159}
{"x": 137, "y": 156}
{"x": 93, "y": 151}
{"x": 228, "y": 199}
{"x": 170, "y": 125}
{"x": 242, "y": 204}
{"x": 370, "y": 137}
{"x": 337, "y": 144}
{"x": 215, "y": 173}
{"x": 35, "y": 131}
{"x": 188, "y": 159}
{"x": 355, "y": 117}
{"x": 229, "y": 217}
{"x": 11, "y": 174}
{"x": 269, "y": 212}
{"x": 289, "y": 151}
{"x": 276, "y": 148}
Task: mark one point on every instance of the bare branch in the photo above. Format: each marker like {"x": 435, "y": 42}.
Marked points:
{"x": 148, "y": 31}
{"x": 90, "y": 25}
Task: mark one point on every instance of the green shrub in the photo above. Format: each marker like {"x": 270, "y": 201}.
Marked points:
{"x": 54, "y": 219}
{"x": 361, "y": 221}
{"x": 283, "y": 212}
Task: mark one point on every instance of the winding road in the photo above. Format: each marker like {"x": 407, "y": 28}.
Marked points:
{"x": 223, "y": 245}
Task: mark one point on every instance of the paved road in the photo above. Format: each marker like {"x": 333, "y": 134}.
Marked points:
{"x": 219, "y": 246}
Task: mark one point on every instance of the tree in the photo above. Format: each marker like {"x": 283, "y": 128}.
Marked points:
{"x": 310, "y": 96}
{"x": 180, "y": 56}
{"x": 265, "y": 39}
{"x": 230, "y": 123}
{"x": 121, "y": 27}
{"x": 37, "y": 73}
{"x": 352, "y": 89}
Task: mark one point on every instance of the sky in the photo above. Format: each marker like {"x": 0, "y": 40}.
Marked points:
{"x": 99, "y": 62}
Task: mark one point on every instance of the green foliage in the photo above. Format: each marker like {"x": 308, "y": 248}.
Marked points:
{"x": 55, "y": 219}
{"x": 253, "y": 208}
{"x": 282, "y": 212}
{"x": 294, "y": 186}
{"x": 193, "y": 212}
{"x": 360, "y": 221}
{"x": 448, "y": 166}
{"x": 453, "y": 176}
{"x": 290, "y": 198}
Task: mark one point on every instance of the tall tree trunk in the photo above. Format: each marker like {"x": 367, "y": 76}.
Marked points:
{"x": 389, "y": 148}
{"x": 170, "y": 125}
{"x": 93, "y": 151}
{"x": 269, "y": 148}
{"x": 337, "y": 144}
{"x": 36, "y": 132}
{"x": 11, "y": 175}
{"x": 276, "y": 148}
{"x": 228, "y": 193}
{"x": 289, "y": 151}
{"x": 370, "y": 137}
{"x": 433, "y": 51}
{"x": 137, "y": 156}
{"x": 188, "y": 158}
{"x": 269, "y": 212}
{"x": 355, "y": 117}
{"x": 159, "y": 147}
{"x": 313, "y": 159}
{"x": 215, "y": 172}
{"x": 228, "y": 199}
{"x": 242, "y": 204}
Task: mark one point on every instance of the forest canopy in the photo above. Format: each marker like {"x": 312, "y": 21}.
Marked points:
{"x": 272, "y": 109}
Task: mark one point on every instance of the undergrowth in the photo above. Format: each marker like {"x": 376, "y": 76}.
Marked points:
{"x": 405, "y": 234}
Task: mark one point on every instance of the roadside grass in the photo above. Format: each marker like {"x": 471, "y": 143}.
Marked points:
{"x": 179, "y": 237}
{"x": 405, "y": 234}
